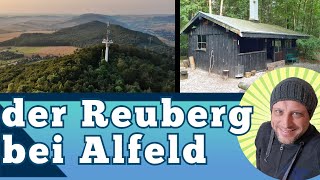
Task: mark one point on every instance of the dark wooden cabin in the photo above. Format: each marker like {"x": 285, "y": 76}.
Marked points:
{"x": 225, "y": 43}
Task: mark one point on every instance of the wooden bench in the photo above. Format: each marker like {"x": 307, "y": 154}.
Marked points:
{"x": 291, "y": 57}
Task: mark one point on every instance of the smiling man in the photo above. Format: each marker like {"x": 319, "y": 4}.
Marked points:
{"x": 288, "y": 147}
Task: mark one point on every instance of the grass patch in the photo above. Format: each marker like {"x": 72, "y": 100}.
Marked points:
{"x": 183, "y": 57}
{"x": 45, "y": 50}
{"x": 26, "y": 50}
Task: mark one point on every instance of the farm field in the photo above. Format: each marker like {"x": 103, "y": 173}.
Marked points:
{"x": 43, "y": 51}
{"x": 8, "y": 36}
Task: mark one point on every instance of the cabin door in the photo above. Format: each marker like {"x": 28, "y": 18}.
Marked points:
{"x": 278, "y": 51}
{"x": 270, "y": 50}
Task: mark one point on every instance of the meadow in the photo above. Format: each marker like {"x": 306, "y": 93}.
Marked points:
{"x": 44, "y": 51}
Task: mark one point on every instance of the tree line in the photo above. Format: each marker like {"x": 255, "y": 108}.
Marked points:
{"x": 298, "y": 15}
{"x": 129, "y": 70}
{"x": 8, "y": 55}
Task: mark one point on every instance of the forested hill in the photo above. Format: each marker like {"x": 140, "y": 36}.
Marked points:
{"x": 129, "y": 70}
{"x": 89, "y": 34}
{"x": 86, "y": 18}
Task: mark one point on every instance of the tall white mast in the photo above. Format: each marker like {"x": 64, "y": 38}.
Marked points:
{"x": 107, "y": 42}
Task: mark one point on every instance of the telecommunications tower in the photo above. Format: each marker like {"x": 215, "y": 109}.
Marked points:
{"x": 107, "y": 42}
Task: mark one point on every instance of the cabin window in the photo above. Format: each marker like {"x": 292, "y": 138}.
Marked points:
{"x": 288, "y": 44}
{"x": 251, "y": 45}
{"x": 277, "y": 46}
{"x": 202, "y": 42}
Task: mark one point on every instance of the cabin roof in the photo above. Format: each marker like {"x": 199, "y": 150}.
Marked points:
{"x": 244, "y": 28}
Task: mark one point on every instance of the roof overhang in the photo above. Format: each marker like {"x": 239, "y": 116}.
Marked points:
{"x": 271, "y": 35}
{"x": 250, "y": 34}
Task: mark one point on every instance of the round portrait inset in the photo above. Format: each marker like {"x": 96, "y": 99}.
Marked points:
{"x": 284, "y": 141}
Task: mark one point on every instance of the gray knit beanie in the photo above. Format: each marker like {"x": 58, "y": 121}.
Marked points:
{"x": 297, "y": 90}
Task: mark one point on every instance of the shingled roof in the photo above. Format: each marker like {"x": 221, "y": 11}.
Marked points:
{"x": 245, "y": 28}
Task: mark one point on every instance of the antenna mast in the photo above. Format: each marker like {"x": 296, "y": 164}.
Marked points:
{"x": 107, "y": 42}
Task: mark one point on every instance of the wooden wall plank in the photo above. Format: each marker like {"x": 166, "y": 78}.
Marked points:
{"x": 226, "y": 51}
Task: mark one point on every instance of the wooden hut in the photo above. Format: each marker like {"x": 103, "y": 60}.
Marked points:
{"x": 220, "y": 43}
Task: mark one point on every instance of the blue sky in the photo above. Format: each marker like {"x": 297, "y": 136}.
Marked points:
{"x": 112, "y": 7}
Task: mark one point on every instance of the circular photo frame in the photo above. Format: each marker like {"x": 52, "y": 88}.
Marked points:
{"x": 258, "y": 96}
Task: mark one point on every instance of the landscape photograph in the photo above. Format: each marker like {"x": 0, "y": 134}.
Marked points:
{"x": 87, "y": 46}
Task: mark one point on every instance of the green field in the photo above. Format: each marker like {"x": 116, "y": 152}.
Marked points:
{"x": 43, "y": 51}
{"x": 27, "y": 51}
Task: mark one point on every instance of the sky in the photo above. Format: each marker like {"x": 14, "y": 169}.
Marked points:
{"x": 110, "y": 7}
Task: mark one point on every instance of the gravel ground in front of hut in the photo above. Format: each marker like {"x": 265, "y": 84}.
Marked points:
{"x": 203, "y": 82}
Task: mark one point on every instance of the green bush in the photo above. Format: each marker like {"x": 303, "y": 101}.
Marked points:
{"x": 183, "y": 45}
{"x": 309, "y": 47}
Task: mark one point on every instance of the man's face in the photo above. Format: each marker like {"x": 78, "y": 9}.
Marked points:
{"x": 289, "y": 120}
